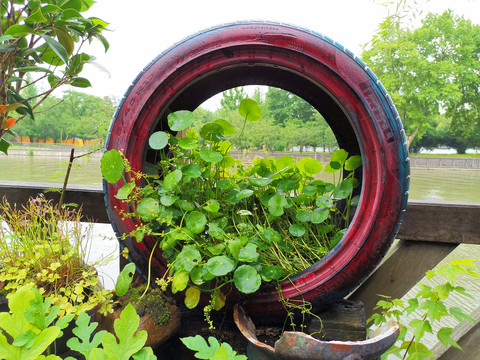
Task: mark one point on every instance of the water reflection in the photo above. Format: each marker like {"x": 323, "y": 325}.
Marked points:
{"x": 426, "y": 184}
{"x": 445, "y": 184}
{"x": 85, "y": 171}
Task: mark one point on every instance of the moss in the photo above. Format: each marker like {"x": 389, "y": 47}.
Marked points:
{"x": 154, "y": 304}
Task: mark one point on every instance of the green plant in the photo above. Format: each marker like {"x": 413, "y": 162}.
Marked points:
{"x": 45, "y": 246}
{"x": 44, "y": 37}
{"x": 220, "y": 222}
{"x": 34, "y": 324}
{"x": 212, "y": 350}
{"x": 430, "y": 307}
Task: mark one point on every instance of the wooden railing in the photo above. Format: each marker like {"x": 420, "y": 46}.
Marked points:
{"x": 430, "y": 233}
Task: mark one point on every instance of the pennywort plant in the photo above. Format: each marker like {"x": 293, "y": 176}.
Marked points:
{"x": 221, "y": 222}
{"x": 429, "y": 306}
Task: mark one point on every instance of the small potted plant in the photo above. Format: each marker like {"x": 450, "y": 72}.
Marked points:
{"x": 44, "y": 245}
{"x": 220, "y": 222}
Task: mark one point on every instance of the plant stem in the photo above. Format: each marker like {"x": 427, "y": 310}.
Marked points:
{"x": 67, "y": 175}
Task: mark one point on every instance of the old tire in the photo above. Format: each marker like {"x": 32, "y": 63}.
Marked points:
{"x": 334, "y": 81}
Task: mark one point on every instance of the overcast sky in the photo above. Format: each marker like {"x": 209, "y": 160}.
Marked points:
{"x": 142, "y": 29}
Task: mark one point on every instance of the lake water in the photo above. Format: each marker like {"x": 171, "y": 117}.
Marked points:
{"x": 426, "y": 184}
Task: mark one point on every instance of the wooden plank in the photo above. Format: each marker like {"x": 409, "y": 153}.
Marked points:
{"x": 441, "y": 222}
{"x": 90, "y": 197}
{"x": 469, "y": 305}
{"x": 400, "y": 271}
{"x": 424, "y": 220}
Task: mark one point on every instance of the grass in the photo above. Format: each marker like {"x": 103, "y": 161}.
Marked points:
{"x": 469, "y": 155}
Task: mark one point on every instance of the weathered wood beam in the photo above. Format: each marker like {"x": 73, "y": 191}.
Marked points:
{"x": 441, "y": 222}
{"x": 424, "y": 220}
{"x": 89, "y": 197}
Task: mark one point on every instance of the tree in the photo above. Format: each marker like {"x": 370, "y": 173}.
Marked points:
{"x": 76, "y": 115}
{"x": 444, "y": 135}
{"x": 231, "y": 98}
{"x": 430, "y": 70}
{"x": 284, "y": 106}
{"x": 45, "y": 38}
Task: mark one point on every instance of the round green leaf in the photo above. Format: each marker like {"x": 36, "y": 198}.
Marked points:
{"x": 242, "y": 194}
{"x": 179, "y": 281}
{"x": 210, "y": 156}
{"x": 212, "y": 132}
{"x": 158, "y": 140}
{"x": 303, "y": 216}
{"x": 148, "y": 209}
{"x": 312, "y": 166}
{"x": 185, "y": 205}
{"x": 192, "y": 170}
{"x": 180, "y": 120}
{"x": 276, "y": 204}
{"x": 187, "y": 143}
{"x": 111, "y": 166}
{"x": 125, "y": 190}
{"x": 272, "y": 235}
{"x": 272, "y": 272}
{"x": 192, "y": 297}
{"x": 339, "y": 156}
{"x": 310, "y": 190}
{"x": 297, "y": 230}
{"x": 355, "y": 200}
{"x": 125, "y": 279}
{"x": 353, "y": 162}
{"x": 172, "y": 179}
{"x": 168, "y": 200}
{"x": 285, "y": 162}
{"x": 196, "y": 222}
{"x": 248, "y": 253}
{"x": 343, "y": 190}
{"x": 220, "y": 265}
{"x": 337, "y": 237}
{"x": 224, "y": 184}
{"x": 260, "y": 182}
{"x": 212, "y": 206}
{"x": 320, "y": 215}
{"x": 332, "y": 167}
{"x": 250, "y": 110}
{"x": 188, "y": 258}
{"x": 228, "y": 129}
{"x": 218, "y": 302}
{"x": 324, "y": 201}
{"x": 228, "y": 161}
{"x": 246, "y": 279}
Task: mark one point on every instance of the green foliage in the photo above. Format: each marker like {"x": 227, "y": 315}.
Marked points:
{"x": 222, "y": 223}
{"x": 287, "y": 121}
{"x": 429, "y": 307}
{"x": 44, "y": 246}
{"x": 127, "y": 341}
{"x": 125, "y": 279}
{"x": 429, "y": 70}
{"x": 29, "y": 341}
{"x": 213, "y": 350}
{"x": 33, "y": 325}
{"x": 74, "y": 115}
{"x": 44, "y": 38}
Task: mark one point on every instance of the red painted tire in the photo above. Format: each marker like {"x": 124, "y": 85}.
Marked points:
{"x": 334, "y": 81}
